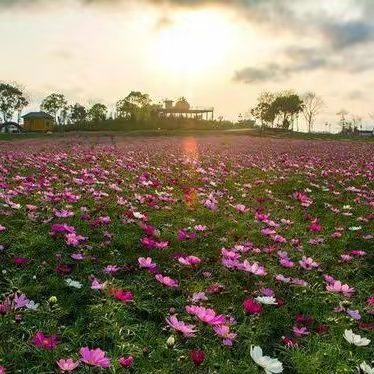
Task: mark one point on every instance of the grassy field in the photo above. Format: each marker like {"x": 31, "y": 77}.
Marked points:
{"x": 104, "y": 238}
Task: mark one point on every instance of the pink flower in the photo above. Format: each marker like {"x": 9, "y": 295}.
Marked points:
{"x": 2, "y": 228}
{"x": 230, "y": 254}
{"x": 45, "y": 342}
{"x": 267, "y": 292}
{"x": 205, "y": 315}
{"x": 20, "y": 301}
{"x": 189, "y": 260}
{"x": 282, "y": 278}
{"x": 198, "y": 296}
{"x": 337, "y": 286}
{"x": 146, "y": 263}
{"x": 308, "y": 263}
{"x": 346, "y": 258}
{"x": 300, "y": 331}
{"x": 94, "y": 357}
{"x": 370, "y": 300}
{"x": 255, "y": 268}
{"x": 200, "y": 228}
{"x": 2, "y": 370}
{"x": 77, "y": 256}
{"x": 224, "y": 332}
{"x": 111, "y": 269}
{"x": 167, "y": 281}
{"x": 97, "y": 285}
{"x": 67, "y": 364}
{"x": 187, "y": 330}
{"x": 356, "y": 252}
{"x": 73, "y": 239}
{"x": 286, "y": 262}
{"x": 126, "y": 362}
{"x": 241, "y": 208}
{"x": 252, "y": 307}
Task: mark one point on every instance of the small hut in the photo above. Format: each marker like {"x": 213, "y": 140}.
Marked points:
{"x": 38, "y": 121}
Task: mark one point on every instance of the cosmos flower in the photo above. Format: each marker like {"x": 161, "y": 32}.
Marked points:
{"x": 146, "y": 263}
{"x": 352, "y": 338}
{"x": 74, "y": 284}
{"x": 270, "y": 365}
{"x": 223, "y": 331}
{"x": 205, "y": 315}
{"x": 337, "y": 286}
{"x": 94, "y": 357}
{"x": 187, "y": 330}
{"x": 43, "y": 341}
{"x": 366, "y": 368}
{"x": 67, "y": 364}
{"x": 167, "y": 281}
{"x": 252, "y": 307}
{"x": 197, "y": 357}
{"x": 126, "y": 362}
{"x": 189, "y": 261}
{"x": 267, "y": 300}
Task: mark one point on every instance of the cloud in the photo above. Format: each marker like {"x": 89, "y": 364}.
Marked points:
{"x": 348, "y": 34}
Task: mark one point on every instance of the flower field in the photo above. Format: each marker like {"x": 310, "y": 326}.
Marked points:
{"x": 179, "y": 255}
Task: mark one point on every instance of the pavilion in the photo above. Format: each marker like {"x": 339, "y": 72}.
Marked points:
{"x": 182, "y": 109}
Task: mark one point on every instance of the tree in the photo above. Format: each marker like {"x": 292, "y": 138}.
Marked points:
{"x": 78, "y": 113}
{"x": 287, "y": 106}
{"x": 56, "y": 105}
{"x": 97, "y": 112}
{"x": 11, "y": 100}
{"x": 311, "y": 108}
{"x": 264, "y": 110}
{"x": 136, "y": 105}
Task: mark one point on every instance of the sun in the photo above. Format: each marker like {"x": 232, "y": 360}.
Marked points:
{"x": 195, "y": 42}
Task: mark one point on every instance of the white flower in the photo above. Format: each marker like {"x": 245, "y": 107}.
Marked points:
{"x": 32, "y": 305}
{"x": 366, "y": 368}
{"x": 354, "y": 228}
{"x": 352, "y": 338}
{"x": 268, "y": 300}
{"x": 72, "y": 283}
{"x": 270, "y": 365}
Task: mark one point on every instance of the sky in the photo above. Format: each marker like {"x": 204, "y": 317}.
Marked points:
{"x": 220, "y": 53}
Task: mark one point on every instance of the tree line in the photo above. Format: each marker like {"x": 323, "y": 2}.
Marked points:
{"x": 273, "y": 109}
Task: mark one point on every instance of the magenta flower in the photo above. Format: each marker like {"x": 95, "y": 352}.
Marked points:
{"x": 45, "y": 342}
{"x": 337, "y": 286}
{"x": 187, "y": 330}
{"x": 197, "y": 357}
{"x": 267, "y": 292}
{"x": 126, "y": 362}
{"x": 2, "y": 370}
{"x": 205, "y": 315}
{"x": 94, "y": 357}
{"x": 124, "y": 296}
{"x": 67, "y": 364}
{"x": 146, "y": 263}
{"x": 167, "y": 281}
{"x": 252, "y": 307}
